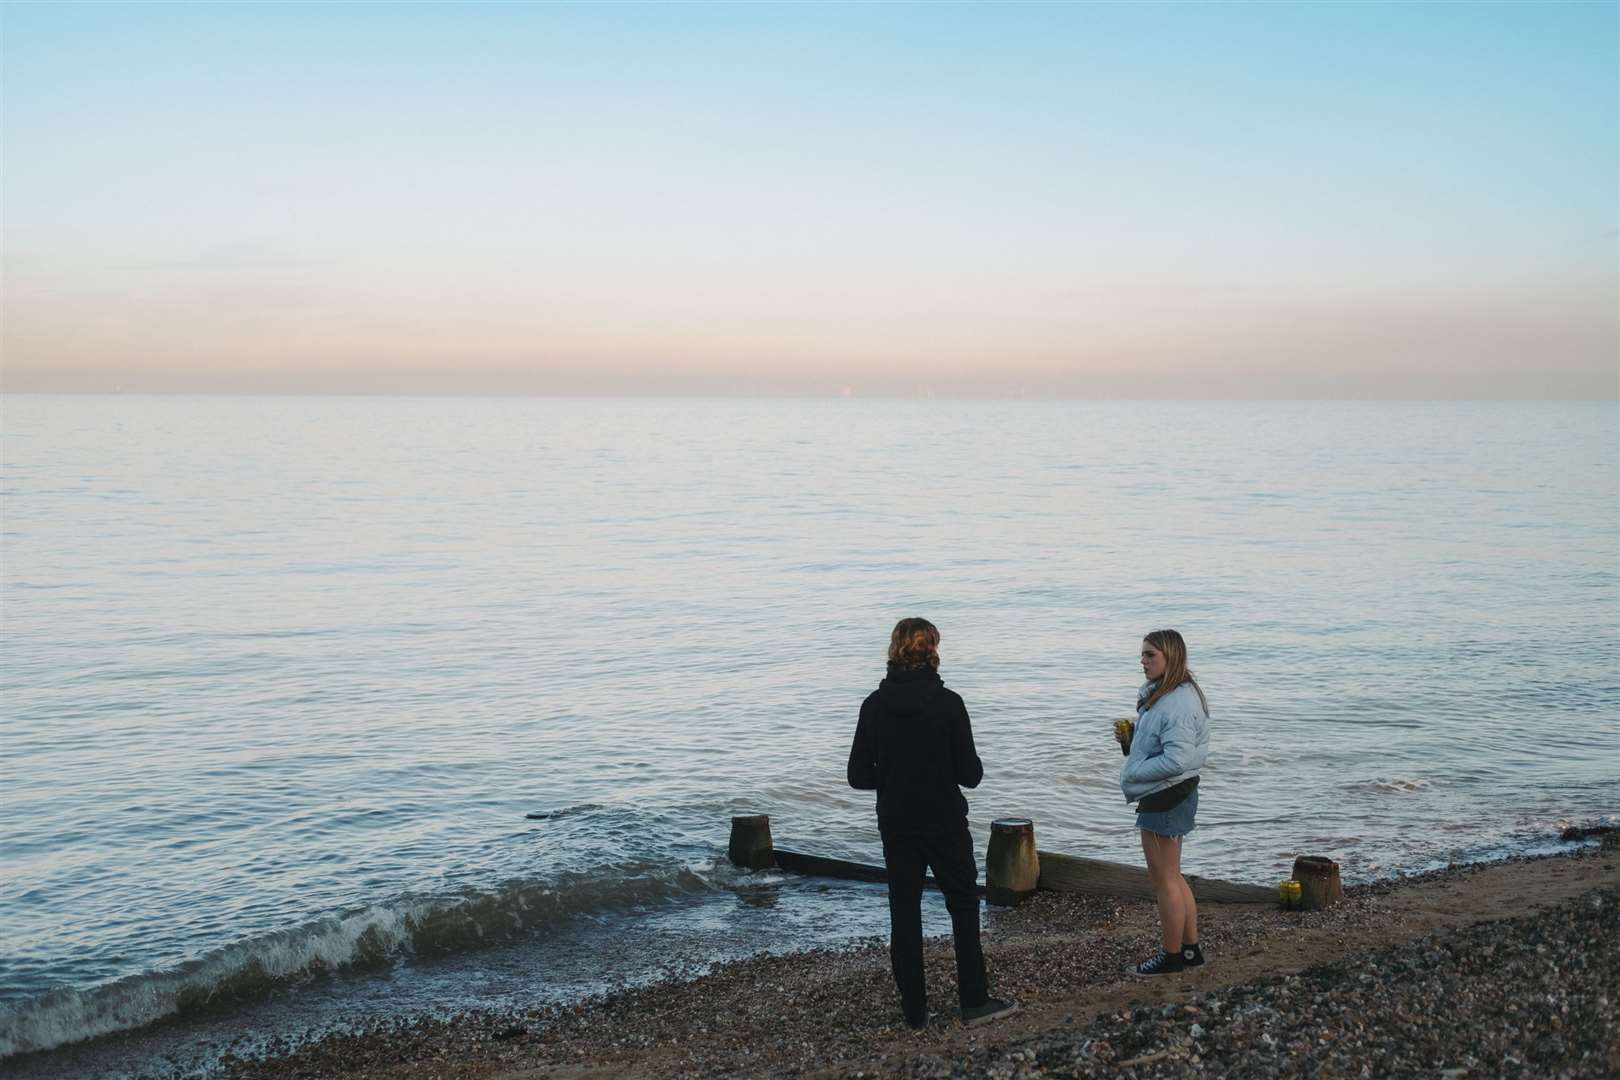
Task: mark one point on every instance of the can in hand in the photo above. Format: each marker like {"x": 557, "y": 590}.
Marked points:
{"x": 1123, "y": 730}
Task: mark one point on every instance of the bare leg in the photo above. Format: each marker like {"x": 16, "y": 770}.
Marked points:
{"x": 1189, "y": 926}
{"x": 1169, "y": 889}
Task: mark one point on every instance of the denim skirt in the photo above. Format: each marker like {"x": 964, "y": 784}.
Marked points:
{"x": 1176, "y": 821}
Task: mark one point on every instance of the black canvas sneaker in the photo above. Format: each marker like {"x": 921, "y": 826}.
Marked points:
{"x": 1191, "y": 955}
{"x": 992, "y": 1009}
{"x": 1160, "y": 963}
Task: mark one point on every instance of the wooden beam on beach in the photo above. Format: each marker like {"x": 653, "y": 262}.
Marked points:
{"x": 797, "y": 862}
{"x": 751, "y": 848}
{"x": 1070, "y": 873}
{"x": 1059, "y": 873}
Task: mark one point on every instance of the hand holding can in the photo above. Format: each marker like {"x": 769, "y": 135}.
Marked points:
{"x": 1123, "y": 730}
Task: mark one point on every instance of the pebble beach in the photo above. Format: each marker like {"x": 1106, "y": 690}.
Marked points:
{"x": 1500, "y": 969}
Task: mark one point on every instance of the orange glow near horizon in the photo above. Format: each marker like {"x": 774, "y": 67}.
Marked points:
{"x": 976, "y": 200}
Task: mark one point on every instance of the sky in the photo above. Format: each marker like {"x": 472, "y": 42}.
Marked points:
{"x": 1320, "y": 200}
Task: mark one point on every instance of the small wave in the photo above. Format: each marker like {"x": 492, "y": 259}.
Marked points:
{"x": 1394, "y": 786}
{"x": 564, "y": 811}
{"x": 367, "y": 940}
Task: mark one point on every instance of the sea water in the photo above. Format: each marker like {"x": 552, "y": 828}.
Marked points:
{"x": 324, "y": 711}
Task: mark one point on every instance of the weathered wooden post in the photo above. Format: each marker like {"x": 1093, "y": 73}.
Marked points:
{"x": 1011, "y": 866}
{"x": 1318, "y": 879}
{"x": 750, "y": 846}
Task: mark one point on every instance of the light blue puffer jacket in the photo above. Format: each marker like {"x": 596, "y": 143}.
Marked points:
{"x": 1170, "y": 743}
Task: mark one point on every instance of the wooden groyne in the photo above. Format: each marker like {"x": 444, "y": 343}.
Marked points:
{"x": 1071, "y": 873}
{"x": 1014, "y": 868}
{"x": 751, "y": 848}
{"x": 817, "y": 866}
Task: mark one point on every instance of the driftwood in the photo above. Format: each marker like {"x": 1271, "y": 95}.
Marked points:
{"x": 1070, "y": 873}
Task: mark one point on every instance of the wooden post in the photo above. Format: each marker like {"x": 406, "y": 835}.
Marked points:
{"x": 1011, "y": 866}
{"x": 751, "y": 842}
{"x": 1318, "y": 881}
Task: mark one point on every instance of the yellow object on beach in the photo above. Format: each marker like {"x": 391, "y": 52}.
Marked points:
{"x": 1289, "y": 893}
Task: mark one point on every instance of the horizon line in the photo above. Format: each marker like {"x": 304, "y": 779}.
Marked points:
{"x": 848, "y": 398}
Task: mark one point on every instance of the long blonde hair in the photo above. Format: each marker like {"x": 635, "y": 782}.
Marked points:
{"x": 1174, "y": 649}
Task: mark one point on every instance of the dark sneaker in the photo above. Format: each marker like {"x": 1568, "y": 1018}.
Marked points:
{"x": 1160, "y": 963}
{"x": 992, "y": 1009}
{"x": 1192, "y": 956}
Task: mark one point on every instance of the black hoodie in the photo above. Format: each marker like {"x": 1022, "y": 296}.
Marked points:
{"x": 915, "y": 746}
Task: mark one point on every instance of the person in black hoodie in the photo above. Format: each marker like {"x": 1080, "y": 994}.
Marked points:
{"x": 914, "y": 746}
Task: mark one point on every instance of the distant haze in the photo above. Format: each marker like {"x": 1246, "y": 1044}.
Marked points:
{"x": 1088, "y": 200}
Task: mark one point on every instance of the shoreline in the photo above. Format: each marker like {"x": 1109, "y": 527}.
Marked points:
{"x": 833, "y": 1011}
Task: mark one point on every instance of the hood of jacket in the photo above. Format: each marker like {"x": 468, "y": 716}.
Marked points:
{"x": 907, "y": 692}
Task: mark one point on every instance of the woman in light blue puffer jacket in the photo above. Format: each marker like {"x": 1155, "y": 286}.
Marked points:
{"x": 1163, "y": 757}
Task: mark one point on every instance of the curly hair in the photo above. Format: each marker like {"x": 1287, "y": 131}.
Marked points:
{"x": 914, "y": 645}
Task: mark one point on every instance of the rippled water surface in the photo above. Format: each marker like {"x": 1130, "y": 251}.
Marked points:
{"x": 283, "y": 677}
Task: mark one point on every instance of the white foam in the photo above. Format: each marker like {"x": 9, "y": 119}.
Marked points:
{"x": 380, "y": 932}
{"x": 64, "y": 1016}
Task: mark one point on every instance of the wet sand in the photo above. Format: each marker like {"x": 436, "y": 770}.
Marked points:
{"x": 1507, "y": 968}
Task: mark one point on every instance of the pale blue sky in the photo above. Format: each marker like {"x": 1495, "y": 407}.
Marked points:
{"x": 1086, "y": 200}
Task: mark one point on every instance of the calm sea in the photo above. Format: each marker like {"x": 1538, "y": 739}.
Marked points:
{"x": 283, "y": 678}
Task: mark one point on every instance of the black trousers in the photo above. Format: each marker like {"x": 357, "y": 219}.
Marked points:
{"x": 907, "y": 856}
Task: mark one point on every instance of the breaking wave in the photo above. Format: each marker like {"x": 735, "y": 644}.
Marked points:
{"x": 369, "y": 939}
